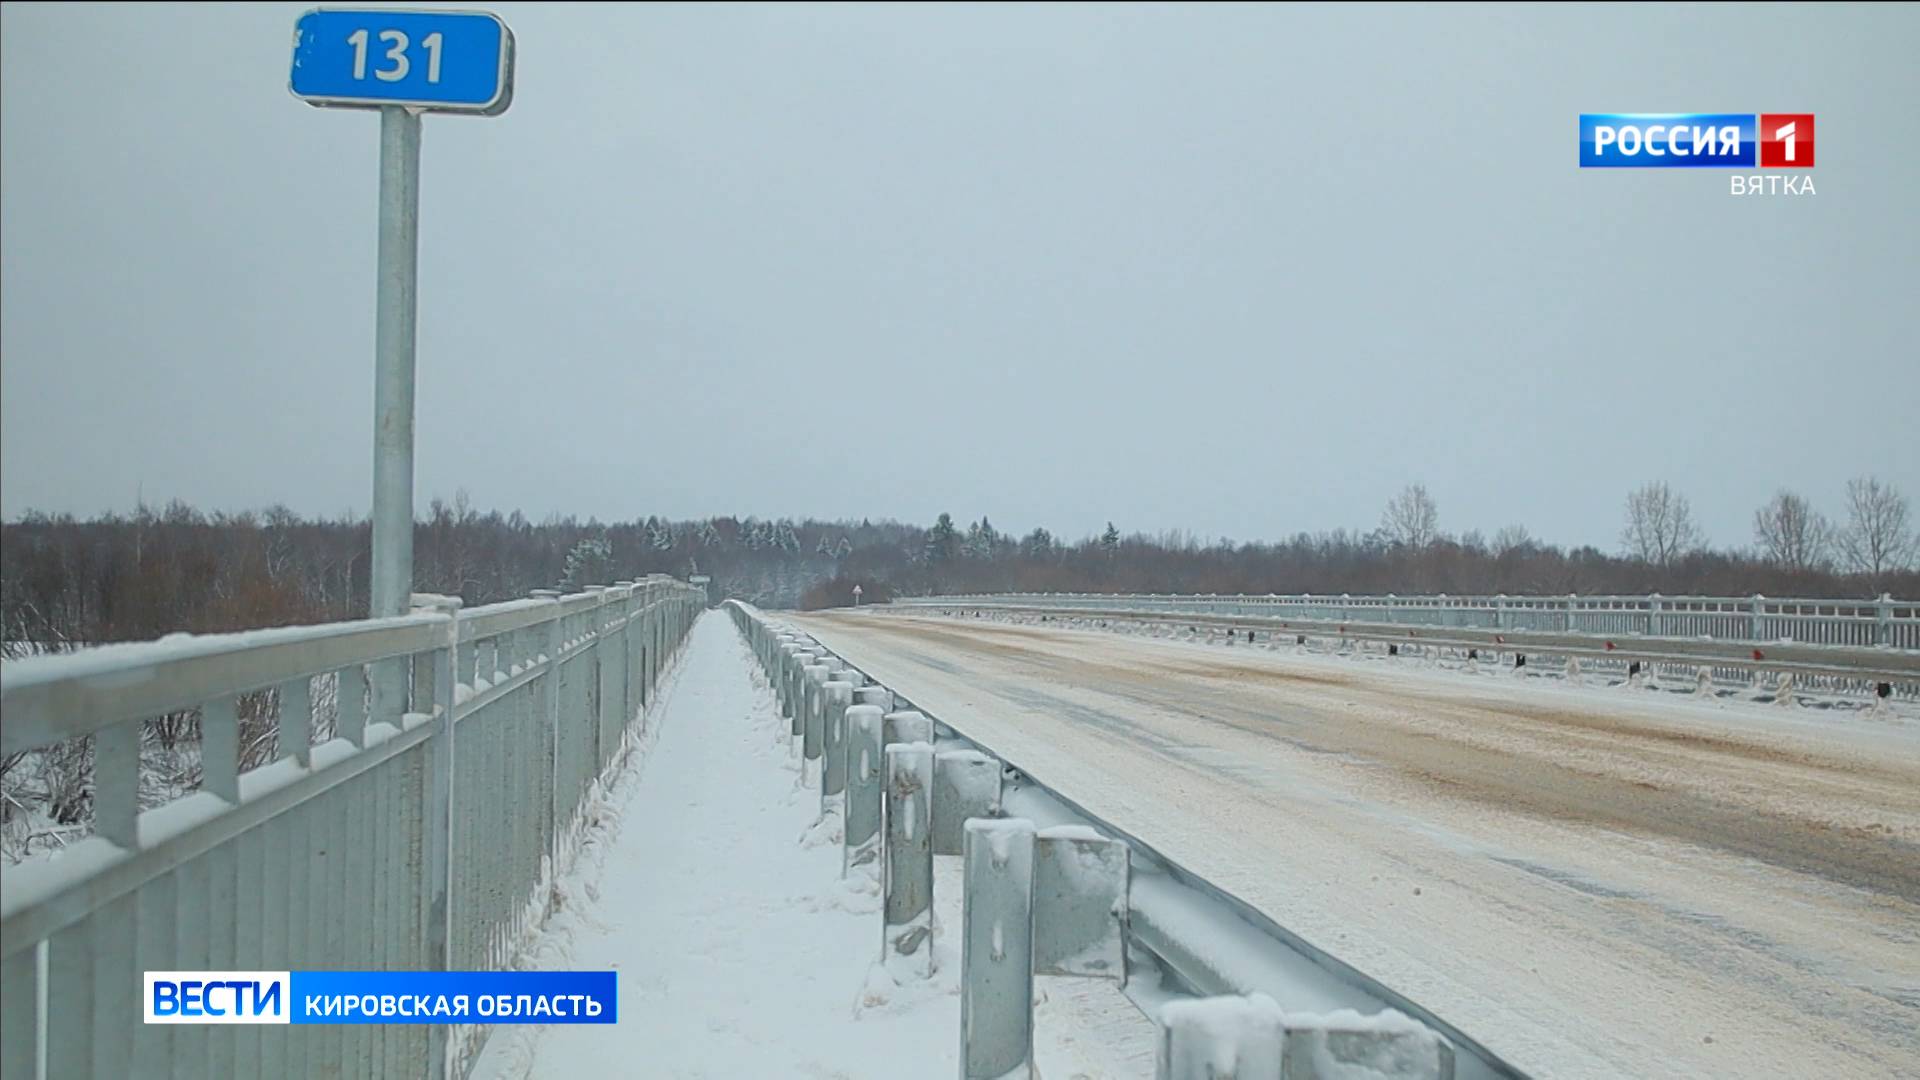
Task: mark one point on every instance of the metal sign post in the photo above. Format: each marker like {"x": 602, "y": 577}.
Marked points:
{"x": 393, "y": 361}
{"x": 402, "y": 63}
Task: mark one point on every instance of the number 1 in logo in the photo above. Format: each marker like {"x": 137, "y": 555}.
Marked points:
{"x": 1786, "y": 140}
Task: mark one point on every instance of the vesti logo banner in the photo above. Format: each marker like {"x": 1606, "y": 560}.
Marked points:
{"x": 381, "y": 997}
{"x": 1696, "y": 140}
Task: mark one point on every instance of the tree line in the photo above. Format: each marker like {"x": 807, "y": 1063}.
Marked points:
{"x": 66, "y": 581}
{"x": 1872, "y": 548}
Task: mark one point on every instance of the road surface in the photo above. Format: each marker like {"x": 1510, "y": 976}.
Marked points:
{"x": 1593, "y": 882}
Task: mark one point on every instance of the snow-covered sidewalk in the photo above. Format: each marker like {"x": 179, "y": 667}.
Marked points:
{"x": 739, "y": 949}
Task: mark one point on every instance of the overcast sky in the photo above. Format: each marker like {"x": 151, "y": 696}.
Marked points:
{"x": 1241, "y": 271}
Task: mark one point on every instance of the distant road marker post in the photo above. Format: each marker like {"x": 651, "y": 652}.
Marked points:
{"x": 402, "y": 63}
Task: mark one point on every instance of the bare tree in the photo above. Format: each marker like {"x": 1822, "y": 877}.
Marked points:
{"x": 1791, "y": 533}
{"x": 1411, "y": 519}
{"x": 1877, "y": 539}
{"x": 1660, "y": 527}
{"x": 1510, "y": 539}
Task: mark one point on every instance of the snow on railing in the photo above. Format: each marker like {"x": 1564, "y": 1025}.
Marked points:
{"x": 1053, "y": 890}
{"x": 375, "y": 847}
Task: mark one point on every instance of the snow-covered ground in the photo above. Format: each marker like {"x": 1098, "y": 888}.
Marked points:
{"x": 711, "y": 886}
{"x": 1593, "y": 880}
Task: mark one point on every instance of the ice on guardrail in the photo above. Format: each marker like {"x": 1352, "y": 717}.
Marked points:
{"x": 1252, "y": 1036}
{"x": 966, "y": 784}
{"x": 1345, "y": 1045}
{"x": 1080, "y": 903}
{"x": 1205, "y": 1038}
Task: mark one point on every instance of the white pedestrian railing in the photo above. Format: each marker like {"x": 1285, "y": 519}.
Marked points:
{"x": 1051, "y": 890}
{"x": 418, "y": 834}
{"x": 1884, "y": 622}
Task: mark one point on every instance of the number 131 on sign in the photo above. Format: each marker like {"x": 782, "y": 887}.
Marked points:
{"x": 443, "y": 61}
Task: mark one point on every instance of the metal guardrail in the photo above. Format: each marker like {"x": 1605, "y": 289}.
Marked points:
{"x": 418, "y": 835}
{"x": 1882, "y": 622}
{"x": 1875, "y": 669}
{"x": 1205, "y": 946}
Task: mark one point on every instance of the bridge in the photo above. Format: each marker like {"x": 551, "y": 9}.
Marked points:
{"x": 1291, "y": 832}
{"x": 630, "y": 827}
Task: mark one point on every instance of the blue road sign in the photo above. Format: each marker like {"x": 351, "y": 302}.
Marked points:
{"x": 447, "y": 61}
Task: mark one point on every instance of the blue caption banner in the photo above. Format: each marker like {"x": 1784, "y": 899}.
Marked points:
{"x": 453, "y": 997}
{"x": 1666, "y": 140}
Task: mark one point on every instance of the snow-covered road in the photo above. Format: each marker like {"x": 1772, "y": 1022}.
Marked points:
{"x": 1593, "y": 882}
{"x": 741, "y": 953}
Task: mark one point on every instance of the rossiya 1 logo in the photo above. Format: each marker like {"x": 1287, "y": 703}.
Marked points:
{"x": 1705, "y": 141}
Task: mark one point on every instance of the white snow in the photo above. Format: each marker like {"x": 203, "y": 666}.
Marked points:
{"x": 743, "y": 953}
{"x": 1227, "y": 1034}
{"x": 1071, "y": 832}
{"x": 1000, "y": 834}
{"x": 134, "y": 662}
{"x": 1239, "y": 1035}
{"x": 1393, "y": 1046}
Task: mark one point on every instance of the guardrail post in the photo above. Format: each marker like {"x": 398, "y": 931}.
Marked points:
{"x": 996, "y": 950}
{"x": 1653, "y": 615}
{"x": 779, "y": 667}
{"x": 633, "y": 659}
{"x": 549, "y": 719}
{"x": 966, "y": 784}
{"x": 659, "y": 614}
{"x": 656, "y": 633}
{"x": 836, "y": 697}
{"x": 435, "y": 866}
{"x": 878, "y": 696}
{"x": 1759, "y": 611}
{"x": 116, "y": 784}
{"x": 816, "y": 677}
{"x": 907, "y": 727}
{"x": 1080, "y": 903}
{"x": 1884, "y": 620}
{"x": 590, "y": 659}
{"x": 907, "y": 912}
{"x": 1218, "y": 1038}
{"x": 791, "y": 675}
{"x": 773, "y": 661}
{"x": 865, "y": 797}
